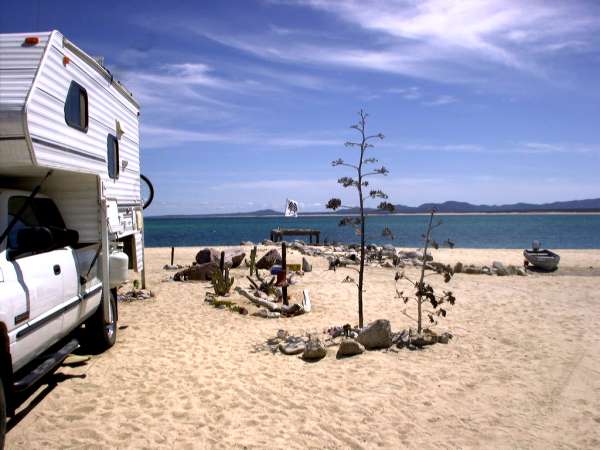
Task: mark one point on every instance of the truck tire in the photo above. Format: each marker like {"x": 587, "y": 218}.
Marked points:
{"x": 101, "y": 336}
{"x": 2, "y": 414}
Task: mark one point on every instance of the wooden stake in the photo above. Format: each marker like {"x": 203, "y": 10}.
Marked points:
{"x": 172, "y": 255}
{"x": 284, "y": 268}
{"x": 222, "y": 262}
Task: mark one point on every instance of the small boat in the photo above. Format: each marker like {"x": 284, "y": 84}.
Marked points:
{"x": 541, "y": 258}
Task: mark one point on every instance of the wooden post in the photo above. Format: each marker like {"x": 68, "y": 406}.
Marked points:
{"x": 284, "y": 268}
{"x": 318, "y": 233}
{"x": 222, "y": 263}
{"x": 172, "y": 255}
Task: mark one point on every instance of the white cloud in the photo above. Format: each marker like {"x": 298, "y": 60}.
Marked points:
{"x": 442, "y": 40}
{"x": 166, "y": 137}
{"x": 441, "y": 101}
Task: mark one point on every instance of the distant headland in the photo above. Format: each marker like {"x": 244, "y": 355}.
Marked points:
{"x": 448, "y": 207}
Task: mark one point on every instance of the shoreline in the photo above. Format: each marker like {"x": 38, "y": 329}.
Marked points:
{"x": 302, "y": 216}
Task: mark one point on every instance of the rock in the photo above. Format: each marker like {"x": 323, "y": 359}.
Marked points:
{"x": 389, "y": 247}
{"x": 207, "y": 255}
{"x": 269, "y": 259}
{"x": 512, "y": 270}
{"x": 501, "y": 272}
{"x": 473, "y": 270}
{"x": 282, "y": 334}
{"x": 377, "y": 334}
{"x": 521, "y": 272}
{"x": 498, "y": 265}
{"x": 444, "y": 338}
{"x": 292, "y": 348}
{"x": 233, "y": 257}
{"x": 343, "y": 262}
{"x": 388, "y": 265}
{"x": 306, "y": 266}
{"x": 486, "y": 270}
{"x": 427, "y": 337}
{"x": 411, "y": 255}
{"x": 292, "y": 310}
{"x": 458, "y": 267}
{"x": 198, "y": 272}
{"x": 314, "y": 350}
{"x": 249, "y": 243}
{"x": 266, "y": 314}
{"x": 268, "y": 242}
{"x": 349, "y": 347}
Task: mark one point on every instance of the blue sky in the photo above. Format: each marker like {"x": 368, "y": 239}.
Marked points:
{"x": 247, "y": 103}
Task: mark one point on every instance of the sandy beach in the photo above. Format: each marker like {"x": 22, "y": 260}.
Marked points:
{"x": 523, "y": 369}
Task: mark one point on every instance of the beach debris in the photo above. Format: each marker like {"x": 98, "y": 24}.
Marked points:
{"x": 197, "y": 272}
{"x": 135, "y": 294}
{"x": 306, "y": 266}
{"x": 172, "y": 267}
{"x": 218, "y": 303}
{"x": 458, "y": 267}
{"x": 377, "y": 334}
{"x": 266, "y": 287}
{"x": 348, "y": 279}
{"x": 292, "y": 310}
{"x": 292, "y": 346}
{"x": 314, "y": 350}
{"x": 428, "y": 337}
{"x": 349, "y": 347}
{"x": 412, "y": 340}
{"x": 233, "y": 256}
{"x": 257, "y": 300}
{"x": 269, "y": 259}
{"x": 248, "y": 243}
{"x": 222, "y": 282}
{"x": 266, "y": 314}
{"x": 76, "y": 360}
{"x": 267, "y": 242}
{"x": 306, "y": 304}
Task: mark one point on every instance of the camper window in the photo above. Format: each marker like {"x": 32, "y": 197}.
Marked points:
{"x": 112, "y": 148}
{"x": 76, "y": 107}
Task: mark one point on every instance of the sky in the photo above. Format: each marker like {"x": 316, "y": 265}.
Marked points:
{"x": 247, "y": 103}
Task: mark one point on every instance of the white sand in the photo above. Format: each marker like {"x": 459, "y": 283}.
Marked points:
{"x": 522, "y": 372}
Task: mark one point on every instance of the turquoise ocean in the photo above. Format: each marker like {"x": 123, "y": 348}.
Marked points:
{"x": 467, "y": 231}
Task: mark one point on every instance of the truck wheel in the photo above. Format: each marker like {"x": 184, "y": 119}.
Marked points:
{"x": 2, "y": 414}
{"x": 101, "y": 336}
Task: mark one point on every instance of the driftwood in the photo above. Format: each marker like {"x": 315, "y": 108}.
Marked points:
{"x": 271, "y": 306}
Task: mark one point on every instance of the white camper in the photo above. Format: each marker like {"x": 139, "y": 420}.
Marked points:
{"x": 70, "y": 206}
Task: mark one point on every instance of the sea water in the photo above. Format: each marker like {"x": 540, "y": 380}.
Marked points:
{"x": 467, "y": 231}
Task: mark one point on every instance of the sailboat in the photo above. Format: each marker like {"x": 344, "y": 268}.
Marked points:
{"x": 291, "y": 208}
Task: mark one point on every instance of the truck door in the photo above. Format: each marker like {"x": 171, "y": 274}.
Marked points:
{"x": 39, "y": 281}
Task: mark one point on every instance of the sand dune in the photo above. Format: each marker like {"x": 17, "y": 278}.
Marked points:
{"x": 523, "y": 370}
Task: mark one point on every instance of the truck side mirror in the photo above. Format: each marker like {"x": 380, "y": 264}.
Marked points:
{"x": 34, "y": 239}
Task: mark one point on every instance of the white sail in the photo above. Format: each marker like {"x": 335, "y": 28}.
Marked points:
{"x": 291, "y": 208}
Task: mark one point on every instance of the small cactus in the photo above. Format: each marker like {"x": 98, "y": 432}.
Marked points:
{"x": 222, "y": 282}
{"x": 252, "y": 261}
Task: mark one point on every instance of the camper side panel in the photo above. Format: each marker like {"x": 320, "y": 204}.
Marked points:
{"x": 58, "y": 145}
{"x": 18, "y": 65}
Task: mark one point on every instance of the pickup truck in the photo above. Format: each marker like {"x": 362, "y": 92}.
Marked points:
{"x": 50, "y": 285}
